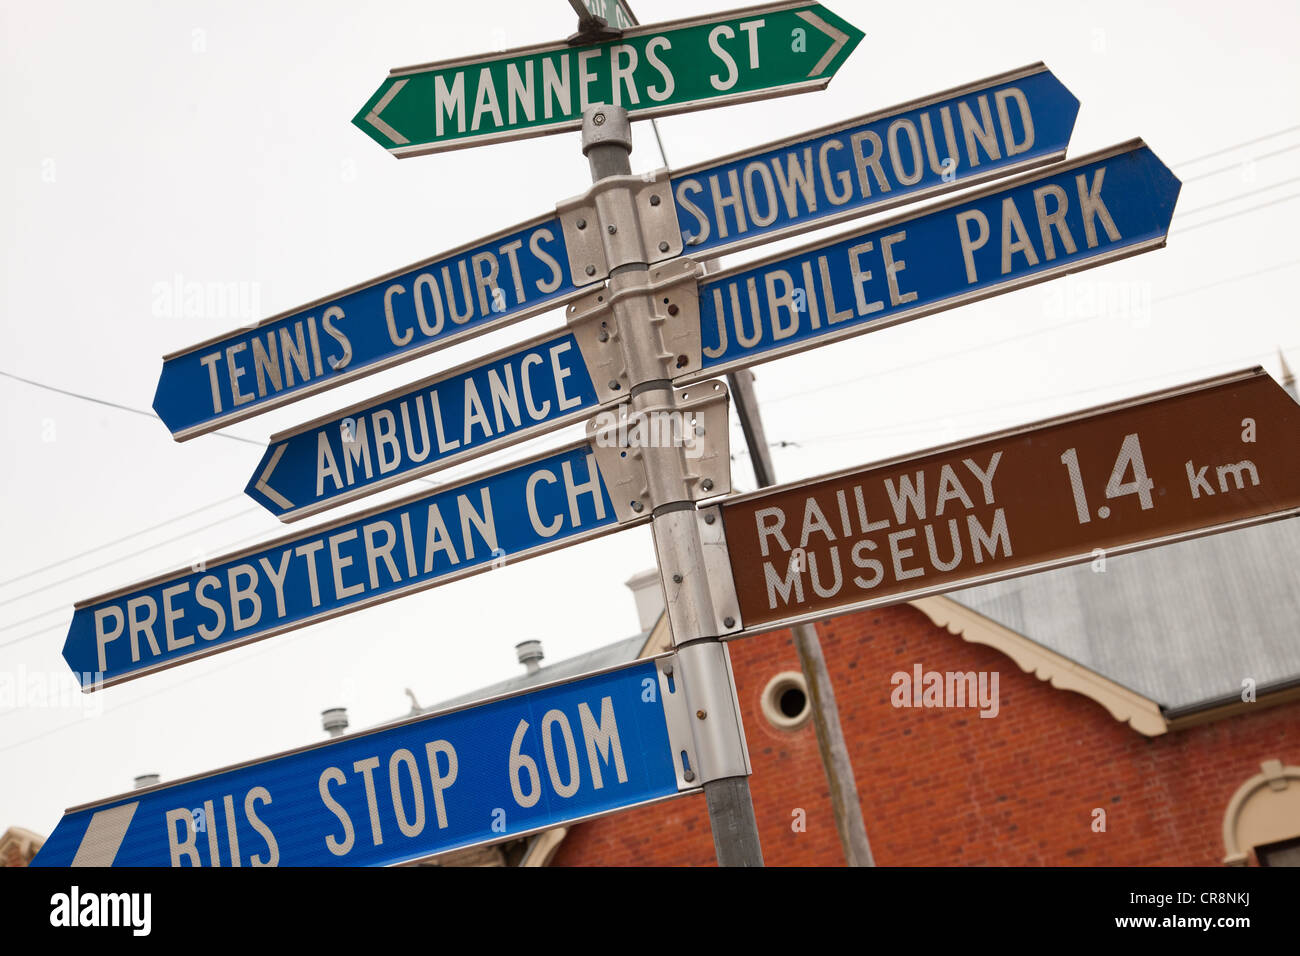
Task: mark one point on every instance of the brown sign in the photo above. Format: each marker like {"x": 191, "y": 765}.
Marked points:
{"x": 1192, "y": 460}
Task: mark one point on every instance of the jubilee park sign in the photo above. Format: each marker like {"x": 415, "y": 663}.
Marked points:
{"x": 646, "y": 332}
{"x": 1073, "y": 216}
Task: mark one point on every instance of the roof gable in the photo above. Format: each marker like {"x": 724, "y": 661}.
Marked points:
{"x": 1183, "y": 625}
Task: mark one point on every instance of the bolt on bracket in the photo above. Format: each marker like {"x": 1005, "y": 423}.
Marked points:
{"x": 672, "y": 287}
{"x": 717, "y": 566}
{"x": 694, "y": 424}
{"x": 699, "y": 590}
{"x": 677, "y": 715}
{"x": 599, "y": 233}
{"x": 591, "y": 28}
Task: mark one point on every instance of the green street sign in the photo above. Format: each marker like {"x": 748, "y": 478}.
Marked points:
{"x": 730, "y": 57}
{"x": 612, "y": 12}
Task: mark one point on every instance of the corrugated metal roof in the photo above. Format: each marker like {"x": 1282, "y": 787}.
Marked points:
{"x": 1182, "y": 625}
{"x": 622, "y": 652}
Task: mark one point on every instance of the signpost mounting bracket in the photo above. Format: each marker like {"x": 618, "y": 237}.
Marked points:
{"x": 675, "y": 310}
{"x": 597, "y": 219}
{"x": 695, "y": 424}
{"x": 678, "y": 717}
{"x": 591, "y": 28}
{"x": 717, "y": 565}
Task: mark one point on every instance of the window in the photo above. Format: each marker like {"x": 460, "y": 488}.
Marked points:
{"x": 785, "y": 701}
{"x": 1282, "y": 853}
{"x": 1264, "y": 815}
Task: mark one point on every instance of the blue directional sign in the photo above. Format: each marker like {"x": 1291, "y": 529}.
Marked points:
{"x": 513, "y": 395}
{"x": 1004, "y": 124}
{"x": 955, "y": 139}
{"x": 422, "y": 541}
{"x": 405, "y": 791}
{"x": 1095, "y": 209}
{"x": 427, "y": 306}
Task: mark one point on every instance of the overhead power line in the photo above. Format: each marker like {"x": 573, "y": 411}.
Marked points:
{"x": 906, "y": 427}
{"x": 1240, "y": 212}
{"x": 826, "y": 386}
{"x": 223, "y": 549}
{"x": 1228, "y": 149}
{"x": 119, "y": 407}
{"x": 28, "y": 620}
{"x": 1234, "y": 167}
{"x": 127, "y": 557}
{"x": 28, "y": 637}
{"x": 128, "y": 537}
{"x": 1239, "y": 196}
{"x": 134, "y": 534}
{"x": 118, "y": 708}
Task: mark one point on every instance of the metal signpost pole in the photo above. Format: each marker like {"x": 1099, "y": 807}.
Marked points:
{"x": 723, "y": 762}
{"x": 821, "y": 694}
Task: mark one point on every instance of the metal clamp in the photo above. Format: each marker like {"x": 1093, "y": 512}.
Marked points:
{"x": 599, "y": 232}
{"x": 677, "y": 714}
{"x": 699, "y": 590}
{"x": 694, "y": 424}
{"x": 591, "y": 28}
{"x": 675, "y": 298}
{"x": 717, "y": 567}
{"x": 718, "y": 725}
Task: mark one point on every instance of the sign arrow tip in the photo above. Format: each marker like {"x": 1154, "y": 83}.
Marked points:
{"x": 838, "y": 39}
{"x": 372, "y": 115}
{"x": 262, "y": 483}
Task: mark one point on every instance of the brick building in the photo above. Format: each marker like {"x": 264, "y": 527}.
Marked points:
{"x": 18, "y": 846}
{"x": 1145, "y": 712}
{"x": 1140, "y": 711}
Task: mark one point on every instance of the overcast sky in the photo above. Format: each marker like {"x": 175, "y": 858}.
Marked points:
{"x": 149, "y": 145}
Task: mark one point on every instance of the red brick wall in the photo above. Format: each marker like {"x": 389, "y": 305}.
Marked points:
{"x": 943, "y": 786}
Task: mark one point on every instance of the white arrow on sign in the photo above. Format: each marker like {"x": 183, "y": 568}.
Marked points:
{"x": 265, "y": 476}
{"x": 373, "y": 116}
{"x": 104, "y": 836}
{"x": 839, "y": 36}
